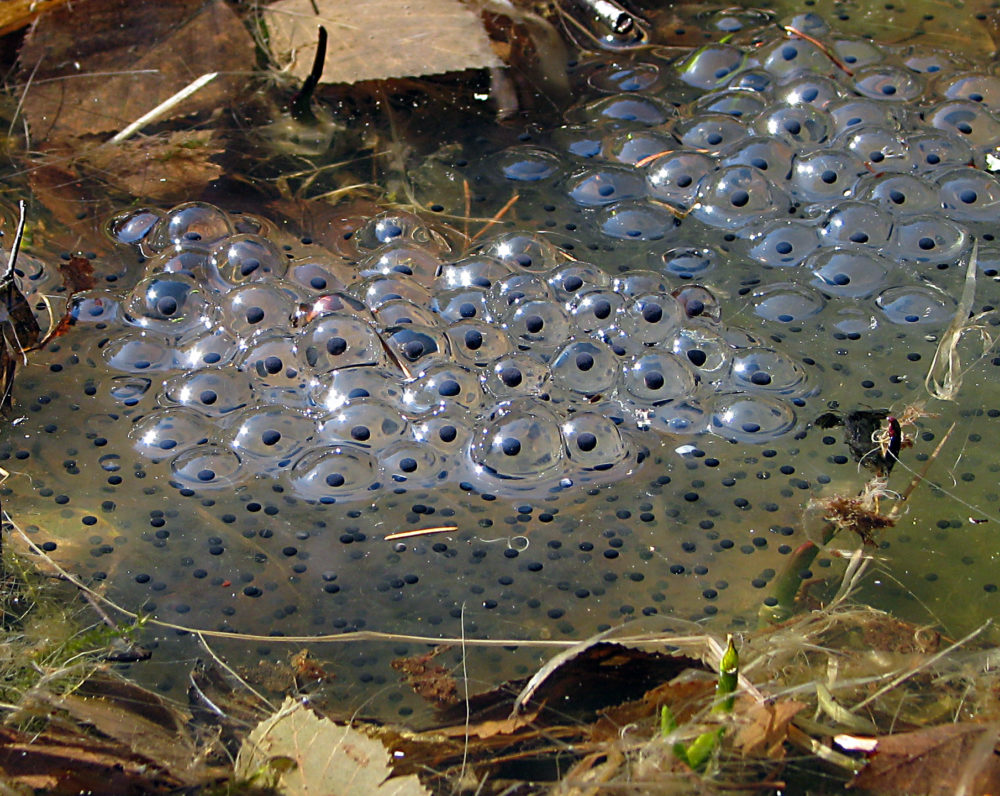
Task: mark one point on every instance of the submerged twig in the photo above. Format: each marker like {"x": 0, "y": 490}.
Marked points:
{"x": 164, "y": 107}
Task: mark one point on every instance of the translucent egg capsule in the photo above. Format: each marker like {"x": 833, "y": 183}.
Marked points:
{"x": 476, "y": 343}
{"x": 339, "y": 341}
{"x": 929, "y": 238}
{"x": 216, "y": 347}
{"x": 526, "y": 164}
{"x": 899, "y": 193}
{"x": 274, "y": 433}
{"x": 698, "y": 302}
{"x": 317, "y": 274}
{"x": 471, "y": 273}
{"x": 973, "y": 86}
{"x": 787, "y": 303}
{"x": 520, "y": 441}
{"x": 686, "y": 262}
{"x": 785, "y": 57}
{"x": 846, "y": 272}
{"x": 210, "y": 391}
{"x": 851, "y": 113}
{"x": 585, "y": 367}
{"x": 516, "y": 289}
{"x": 602, "y": 186}
{"x": 616, "y": 77}
{"x": 412, "y": 464}
{"x": 597, "y": 312}
{"x": 172, "y": 304}
{"x": 674, "y": 178}
{"x": 93, "y": 306}
{"x": 331, "y": 474}
{"x": 638, "y": 221}
{"x": 809, "y": 89}
{"x": 632, "y": 146}
{"x": 447, "y": 430}
{"x": 392, "y": 227}
{"x": 857, "y": 52}
{"x": 133, "y": 227}
{"x": 655, "y": 378}
{"x": 247, "y": 258}
{"x": 536, "y": 323}
{"x": 882, "y": 147}
{"x": 970, "y": 121}
{"x": 165, "y": 432}
{"x": 332, "y": 390}
{"x": 257, "y": 308}
{"x": 442, "y": 385}
{"x": 712, "y": 66}
{"x": 825, "y": 176}
{"x": 765, "y": 369}
{"x": 911, "y": 305}
{"x": 274, "y": 364}
{"x": 857, "y": 223}
{"x": 624, "y": 110}
{"x": 593, "y": 442}
{"x": 887, "y": 82}
{"x": 575, "y": 279}
{"x": 462, "y": 304}
{"x": 710, "y": 132}
{"x": 704, "y": 348}
{"x": 207, "y": 467}
{"x": 932, "y": 152}
{"x": 582, "y": 141}
{"x": 400, "y": 260}
{"x": 515, "y": 376}
{"x": 401, "y": 312}
{"x": 800, "y": 126}
{"x": 194, "y": 225}
{"x": 969, "y": 194}
{"x": 648, "y": 320}
{"x": 377, "y": 290}
{"x": 773, "y": 156}
{"x": 783, "y": 244}
{"x": 735, "y": 196}
{"x": 737, "y": 103}
{"x": 365, "y": 422}
{"x": 138, "y": 352}
{"x": 744, "y": 417}
{"x": 416, "y": 347}
{"x": 521, "y": 252}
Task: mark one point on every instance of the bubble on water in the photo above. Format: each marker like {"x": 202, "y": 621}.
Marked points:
{"x": 273, "y": 433}
{"x": 847, "y": 273}
{"x": 786, "y": 302}
{"x": 911, "y": 305}
{"x": 674, "y": 178}
{"x": 165, "y": 432}
{"x": 602, "y": 186}
{"x": 210, "y": 391}
{"x": 783, "y": 244}
{"x": 637, "y": 221}
{"x": 970, "y": 194}
{"x": 364, "y": 422}
{"x": 750, "y": 418}
{"x": 329, "y": 474}
{"x": 886, "y": 82}
{"x": 857, "y": 223}
{"x": 735, "y": 196}
{"x": 527, "y": 164}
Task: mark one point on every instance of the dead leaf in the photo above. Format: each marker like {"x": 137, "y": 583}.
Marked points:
{"x": 379, "y": 39}
{"x": 489, "y": 729}
{"x": 17, "y": 14}
{"x": 163, "y": 168}
{"x": 431, "y": 682}
{"x": 934, "y": 762}
{"x": 306, "y": 754}
{"x": 764, "y": 727}
{"x": 134, "y": 56}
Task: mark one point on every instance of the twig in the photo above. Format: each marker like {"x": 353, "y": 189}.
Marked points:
{"x": 496, "y": 217}
{"x": 164, "y": 107}
{"x": 419, "y": 532}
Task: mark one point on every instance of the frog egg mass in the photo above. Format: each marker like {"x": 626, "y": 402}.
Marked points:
{"x": 602, "y": 411}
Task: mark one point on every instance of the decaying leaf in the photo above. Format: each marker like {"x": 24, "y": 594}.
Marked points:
{"x": 379, "y": 39}
{"x": 306, "y": 754}
{"x": 134, "y": 56}
{"x": 764, "y": 726}
{"x": 431, "y": 681}
{"x": 940, "y": 761}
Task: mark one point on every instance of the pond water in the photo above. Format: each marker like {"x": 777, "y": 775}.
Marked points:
{"x": 601, "y": 410}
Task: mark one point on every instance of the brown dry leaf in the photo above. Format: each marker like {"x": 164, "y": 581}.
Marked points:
{"x": 163, "y": 168}
{"x": 17, "y": 14}
{"x": 934, "y": 762}
{"x": 307, "y": 754}
{"x": 766, "y": 726}
{"x": 432, "y": 682}
{"x": 379, "y": 39}
{"x": 132, "y": 57}
{"x": 489, "y": 729}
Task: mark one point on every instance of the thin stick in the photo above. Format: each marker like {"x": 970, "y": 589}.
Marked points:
{"x": 18, "y": 235}
{"x": 496, "y": 217}
{"x": 922, "y": 475}
{"x": 164, "y": 107}
{"x": 419, "y": 532}
{"x": 232, "y": 672}
{"x": 822, "y": 48}
{"x": 468, "y": 207}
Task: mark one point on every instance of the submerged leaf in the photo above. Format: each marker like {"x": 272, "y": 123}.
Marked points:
{"x": 306, "y": 754}
{"x": 379, "y": 39}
